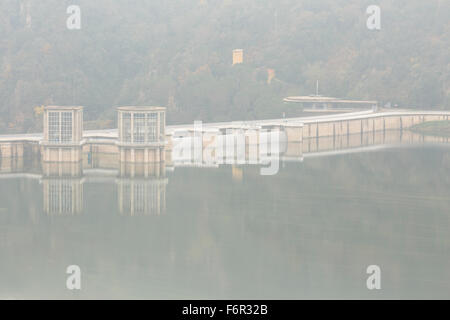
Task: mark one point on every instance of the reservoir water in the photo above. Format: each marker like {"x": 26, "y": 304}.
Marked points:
{"x": 310, "y": 231}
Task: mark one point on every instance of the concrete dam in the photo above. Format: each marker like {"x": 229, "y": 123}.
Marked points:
{"x": 143, "y": 137}
{"x": 136, "y": 156}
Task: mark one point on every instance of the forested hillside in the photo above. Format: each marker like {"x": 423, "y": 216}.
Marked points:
{"x": 178, "y": 54}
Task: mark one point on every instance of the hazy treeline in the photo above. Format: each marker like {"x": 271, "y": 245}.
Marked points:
{"x": 178, "y": 54}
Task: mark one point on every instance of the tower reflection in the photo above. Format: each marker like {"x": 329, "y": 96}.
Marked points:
{"x": 142, "y": 189}
{"x": 62, "y": 185}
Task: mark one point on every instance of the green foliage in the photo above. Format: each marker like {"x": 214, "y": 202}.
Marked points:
{"x": 433, "y": 128}
{"x": 178, "y": 54}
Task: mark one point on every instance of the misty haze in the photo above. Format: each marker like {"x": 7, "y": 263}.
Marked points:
{"x": 224, "y": 149}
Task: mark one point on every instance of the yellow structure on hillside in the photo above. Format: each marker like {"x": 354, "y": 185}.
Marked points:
{"x": 238, "y": 56}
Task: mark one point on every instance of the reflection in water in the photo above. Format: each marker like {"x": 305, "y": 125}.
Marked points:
{"x": 141, "y": 197}
{"x": 142, "y": 189}
{"x": 62, "y": 196}
{"x": 62, "y": 185}
{"x": 308, "y": 232}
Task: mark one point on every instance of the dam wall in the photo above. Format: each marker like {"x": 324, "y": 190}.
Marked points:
{"x": 367, "y": 123}
{"x": 100, "y": 149}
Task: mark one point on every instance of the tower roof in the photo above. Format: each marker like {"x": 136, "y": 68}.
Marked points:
{"x": 141, "y": 108}
{"x": 63, "y": 108}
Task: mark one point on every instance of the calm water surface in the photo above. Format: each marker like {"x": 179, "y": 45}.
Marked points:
{"x": 220, "y": 233}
